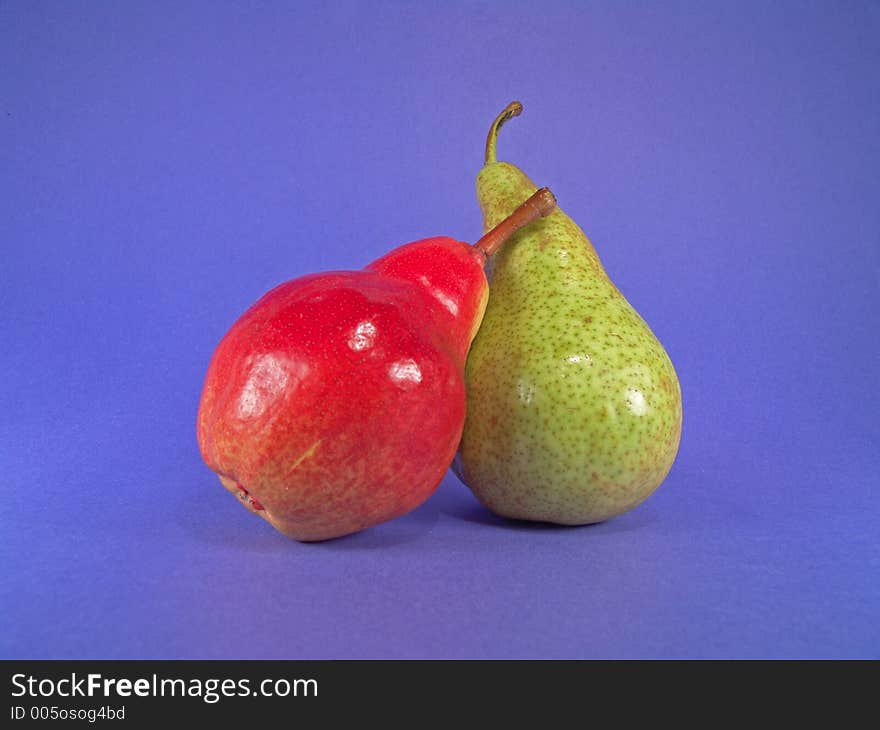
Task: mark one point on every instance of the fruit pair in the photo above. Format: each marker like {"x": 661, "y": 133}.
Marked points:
{"x": 338, "y": 400}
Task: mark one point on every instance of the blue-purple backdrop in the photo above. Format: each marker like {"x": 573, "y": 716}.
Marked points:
{"x": 162, "y": 164}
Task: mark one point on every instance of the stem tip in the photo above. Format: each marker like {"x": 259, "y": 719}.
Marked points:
{"x": 514, "y": 109}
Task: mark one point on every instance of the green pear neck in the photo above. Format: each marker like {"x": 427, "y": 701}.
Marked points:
{"x": 501, "y": 187}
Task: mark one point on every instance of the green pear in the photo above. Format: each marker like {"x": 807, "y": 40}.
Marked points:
{"x": 573, "y": 405}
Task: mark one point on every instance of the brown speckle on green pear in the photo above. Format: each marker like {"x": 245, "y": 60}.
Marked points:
{"x": 574, "y": 407}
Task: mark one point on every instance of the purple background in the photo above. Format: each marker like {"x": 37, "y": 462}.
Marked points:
{"x": 163, "y": 164}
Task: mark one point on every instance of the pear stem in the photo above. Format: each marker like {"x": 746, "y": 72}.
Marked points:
{"x": 514, "y": 109}
{"x": 541, "y": 203}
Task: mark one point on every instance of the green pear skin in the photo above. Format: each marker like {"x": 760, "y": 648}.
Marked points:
{"x": 574, "y": 407}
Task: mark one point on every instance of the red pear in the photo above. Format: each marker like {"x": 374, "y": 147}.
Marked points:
{"x": 337, "y": 401}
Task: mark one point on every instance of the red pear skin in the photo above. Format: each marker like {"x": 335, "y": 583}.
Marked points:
{"x": 336, "y": 402}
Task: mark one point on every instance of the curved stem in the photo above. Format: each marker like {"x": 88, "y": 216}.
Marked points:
{"x": 541, "y": 203}
{"x": 514, "y": 109}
